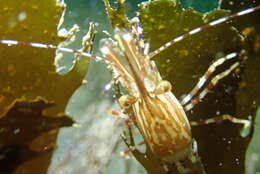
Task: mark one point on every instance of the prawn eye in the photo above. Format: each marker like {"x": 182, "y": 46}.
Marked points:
{"x": 127, "y": 101}
{"x": 163, "y": 87}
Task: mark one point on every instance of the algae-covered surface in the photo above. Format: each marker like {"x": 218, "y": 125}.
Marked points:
{"x": 28, "y": 73}
{"x": 31, "y": 87}
{"x": 33, "y": 95}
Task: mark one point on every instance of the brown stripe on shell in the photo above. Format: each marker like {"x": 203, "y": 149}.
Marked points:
{"x": 165, "y": 129}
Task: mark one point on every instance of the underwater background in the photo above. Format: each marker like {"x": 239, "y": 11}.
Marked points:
{"x": 93, "y": 144}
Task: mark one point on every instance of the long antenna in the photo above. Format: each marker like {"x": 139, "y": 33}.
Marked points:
{"x": 50, "y": 46}
{"x": 199, "y": 29}
{"x": 150, "y": 55}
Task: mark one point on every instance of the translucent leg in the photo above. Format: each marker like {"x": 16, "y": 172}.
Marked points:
{"x": 247, "y": 124}
{"x": 189, "y": 101}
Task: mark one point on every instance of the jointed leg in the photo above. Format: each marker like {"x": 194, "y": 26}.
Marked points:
{"x": 209, "y": 87}
{"x": 206, "y": 76}
{"x": 128, "y": 121}
{"x": 246, "y": 123}
{"x": 131, "y": 149}
{"x": 190, "y": 100}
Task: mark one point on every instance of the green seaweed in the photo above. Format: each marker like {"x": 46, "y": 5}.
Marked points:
{"x": 27, "y": 73}
{"x": 117, "y": 16}
{"x": 253, "y": 152}
{"x": 32, "y": 94}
